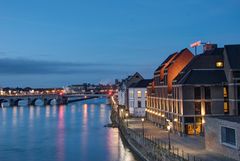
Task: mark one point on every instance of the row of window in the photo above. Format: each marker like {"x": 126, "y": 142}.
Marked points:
{"x": 139, "y": 104}
{"x": 139, "y": 94}
{"x": 207, "y": 92}
{"x": 171, "y": 106}
{"x": 208, "y": 108}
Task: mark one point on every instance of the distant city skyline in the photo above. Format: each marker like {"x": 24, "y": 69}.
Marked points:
{"x": 55, "y": 44}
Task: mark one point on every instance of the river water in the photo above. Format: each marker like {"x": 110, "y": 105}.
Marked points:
{"x": 74, "y": 132}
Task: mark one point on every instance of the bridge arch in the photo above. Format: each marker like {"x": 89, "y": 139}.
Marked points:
{"x": 3, "y": 102}
{"x": 15, "y": 102}
{"x": 34, "y": 101}
{"x": 50, "y": 101}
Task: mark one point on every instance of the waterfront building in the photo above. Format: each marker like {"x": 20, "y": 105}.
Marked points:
{"x": 124, "y": 86}
{"x": 188, "y": 88}
{"x": 222, "y": 135}
{"x": 138, "y": 98}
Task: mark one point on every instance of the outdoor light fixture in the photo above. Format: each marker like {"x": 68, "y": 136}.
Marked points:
{"x": 168, "y": 127}
{"x": 142, "y": 126}
{"x": 219, "y": 64}
{"x": 169, "y": 142}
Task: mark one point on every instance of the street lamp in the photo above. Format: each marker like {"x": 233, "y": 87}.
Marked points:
{"x": 143, "y": 127}
{"x": 169, "y": 143}
{"x": 121, "y": 113}
{"x": 127, "y": 118}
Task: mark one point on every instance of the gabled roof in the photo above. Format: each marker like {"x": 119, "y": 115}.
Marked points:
{"x": 233, "y": 55}
{"x": 201, "y": 76}
{"x": 141, "y": 84}
{"x": 207, "y": 60}
{"x": 165, "y": 61}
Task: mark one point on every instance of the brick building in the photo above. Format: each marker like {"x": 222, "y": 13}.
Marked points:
{"x": 188, "y": 88}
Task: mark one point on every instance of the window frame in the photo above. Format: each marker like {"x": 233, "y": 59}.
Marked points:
{"x": 138, "y": 104}
{"x": 225, "y": 143}
{"x": 139, "y": 92}
{"x": 195, "y": 92}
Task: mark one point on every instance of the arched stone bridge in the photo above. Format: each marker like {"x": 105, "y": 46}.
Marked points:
{"x": 13, "y": 100}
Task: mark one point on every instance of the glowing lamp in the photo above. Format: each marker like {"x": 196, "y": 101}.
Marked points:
{"x": 168, "y": 127}
{"x": 219, "y": 64}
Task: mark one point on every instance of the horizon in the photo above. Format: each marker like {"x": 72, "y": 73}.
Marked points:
{"x": 55, "y": 44}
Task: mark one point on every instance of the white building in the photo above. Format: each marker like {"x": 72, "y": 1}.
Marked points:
{"x": 137, "y": 98}
{"x": 123, "y": 88}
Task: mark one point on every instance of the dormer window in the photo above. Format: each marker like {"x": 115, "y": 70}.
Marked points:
{"x": 219, "y": 64}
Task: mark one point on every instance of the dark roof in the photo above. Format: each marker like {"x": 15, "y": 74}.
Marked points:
{"x": 204, "y": 77}
{"x": 229, "y": 118}
{"x": 207, "y": 60}
{"x": 141, "y": 84}
{"x": 165, "y": 61}
{"x": 233, "y": 55}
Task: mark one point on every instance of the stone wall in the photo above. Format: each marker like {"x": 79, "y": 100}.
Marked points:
{"x": 213, "y": 137}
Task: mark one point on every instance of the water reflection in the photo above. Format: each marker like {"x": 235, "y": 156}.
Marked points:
{"x": 60, "y": 133}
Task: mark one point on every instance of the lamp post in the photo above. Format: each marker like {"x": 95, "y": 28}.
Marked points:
{"x": 143, "y": 127}
{"x": 121, "y": 113}
{"x": 127, "y": 118}
{"x": 169, "y": 143}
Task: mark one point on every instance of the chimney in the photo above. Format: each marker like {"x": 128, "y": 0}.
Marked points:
{"x": 209, "y": 47}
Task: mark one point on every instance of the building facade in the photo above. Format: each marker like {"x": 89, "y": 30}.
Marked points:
{"x": 138, "y": 98}
{"x": 124, "y": 86}
{"x": 188, "y": 88}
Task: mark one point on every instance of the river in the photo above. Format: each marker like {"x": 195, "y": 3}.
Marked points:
{"x": 74, "y": 132}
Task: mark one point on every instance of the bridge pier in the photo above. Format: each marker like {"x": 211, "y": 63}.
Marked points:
{"x": 31, "y": 102}
{"x": 62, "y": 100}
{"x": 46, "y": 101}
{"x": 13, "y": 102}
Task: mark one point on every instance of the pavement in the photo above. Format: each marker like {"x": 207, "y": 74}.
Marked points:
{"x": 193, "y": 145}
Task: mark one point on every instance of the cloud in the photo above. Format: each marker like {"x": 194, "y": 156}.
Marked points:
{"x": 39, "y": 67}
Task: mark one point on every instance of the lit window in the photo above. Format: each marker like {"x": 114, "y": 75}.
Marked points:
{"x": 145, "y": 93}
{"x": 226, "y": 108}
{"x": 131, "y": 94}
{"x": 219, "y": 64}
{"x": 139, "y": 94}
{"x": 225, "y": 92}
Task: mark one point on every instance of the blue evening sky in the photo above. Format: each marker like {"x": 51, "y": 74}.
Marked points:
{"x": 53, "y": 43}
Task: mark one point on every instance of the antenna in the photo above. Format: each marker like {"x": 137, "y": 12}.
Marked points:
{"x": 196, "y": 44}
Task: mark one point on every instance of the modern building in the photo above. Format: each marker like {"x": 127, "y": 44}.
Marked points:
{"x": 222, "y": 135}
{"x": 123, "y": 88}
{"x": 188, "y": 88}
{"x": 138, "y": 98}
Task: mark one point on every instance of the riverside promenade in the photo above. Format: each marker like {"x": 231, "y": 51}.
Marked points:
{"x": 151, "y": 142}
{"x": 188, "y": 147}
